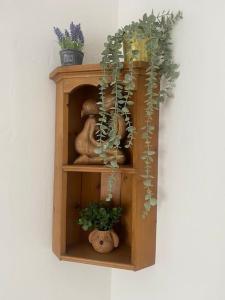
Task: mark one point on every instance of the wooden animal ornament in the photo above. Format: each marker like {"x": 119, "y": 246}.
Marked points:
{"x": 86, "y": 143}
{"x": 103, "y": 241}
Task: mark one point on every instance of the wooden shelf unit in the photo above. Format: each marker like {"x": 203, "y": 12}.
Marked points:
{"x": 75, "y": 186}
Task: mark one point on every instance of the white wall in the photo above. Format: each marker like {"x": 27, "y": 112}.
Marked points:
{"x": 191, "y": 215}
{"x": 28, "y": 52}
{"x": 190, "y": 236}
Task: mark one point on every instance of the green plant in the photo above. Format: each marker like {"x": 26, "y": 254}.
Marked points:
{"x": 99, "y": 216}
{"x": 157, "y": 31}
{"x": 72, "y": 39}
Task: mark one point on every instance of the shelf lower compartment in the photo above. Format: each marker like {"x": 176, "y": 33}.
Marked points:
{"x": 84, "y": 253}
{"x": 83, "y": 188}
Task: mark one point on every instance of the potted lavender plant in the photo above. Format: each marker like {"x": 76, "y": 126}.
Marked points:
{"x": 71, "y": 43}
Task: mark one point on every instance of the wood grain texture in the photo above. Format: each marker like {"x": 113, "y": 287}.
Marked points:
{"x": 84, "y": 253}
{"x": 126, "y": 200}
{"x": 75, "y": 186}
{"x": 89, "y": 72}
{"x": 60, "y": 180}
{"x": 97, "y": 169}
{"x": 144, "y": 230}
{"x": 74, "y": 195}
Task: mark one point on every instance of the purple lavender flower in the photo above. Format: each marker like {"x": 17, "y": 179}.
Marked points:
{"x": 72, "y": 39}
{"x": 80, "y": 34}
{"x": 76, "y": 33}
{"x": 59, "y": 34}
{"x": 73, "y": 31}
{"x": 67, "y": 35}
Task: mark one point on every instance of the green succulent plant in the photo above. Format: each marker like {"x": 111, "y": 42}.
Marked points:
{"x": 156, "y": 29}
{"x": 99, "y": 216}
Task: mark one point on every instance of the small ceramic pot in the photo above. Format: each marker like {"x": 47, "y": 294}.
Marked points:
{"x": 71, "y": 57}
{"x": 103, "y": 241}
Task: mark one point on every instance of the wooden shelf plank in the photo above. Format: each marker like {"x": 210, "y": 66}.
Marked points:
{"x": 97, "y": 169}
{"x": 84, "y": 253}
{"x": 90, "y": 69}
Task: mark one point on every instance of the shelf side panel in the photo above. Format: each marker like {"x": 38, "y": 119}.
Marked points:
{"x": 144, "y": 229}
{"x": 60, "y": 179}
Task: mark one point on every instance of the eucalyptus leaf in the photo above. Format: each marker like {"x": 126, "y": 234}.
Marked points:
{"x": 156, "y": 29}
{"x": 153, "y": 201}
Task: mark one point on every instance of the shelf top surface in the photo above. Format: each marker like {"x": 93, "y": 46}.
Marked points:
{"x": 89, "y": 68}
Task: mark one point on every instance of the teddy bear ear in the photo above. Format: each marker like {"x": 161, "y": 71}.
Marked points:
{"x": 92, "y": 236}
{"x": 115, "y": 239}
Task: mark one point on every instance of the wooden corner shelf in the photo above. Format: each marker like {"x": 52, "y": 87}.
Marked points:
{"x": 75, "y": 186}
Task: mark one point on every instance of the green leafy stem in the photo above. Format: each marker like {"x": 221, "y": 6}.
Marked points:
{"x": 157, "y": 30}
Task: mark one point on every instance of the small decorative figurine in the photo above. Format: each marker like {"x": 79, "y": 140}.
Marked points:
{"x": 86, "y": 143}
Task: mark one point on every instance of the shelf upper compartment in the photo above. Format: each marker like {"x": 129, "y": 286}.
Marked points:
{"x": 97, "y": 169}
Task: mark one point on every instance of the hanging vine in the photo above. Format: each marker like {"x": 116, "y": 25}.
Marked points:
{"x": 157, "y": 31}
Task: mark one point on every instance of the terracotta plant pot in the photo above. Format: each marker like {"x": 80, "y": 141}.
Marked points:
{"x": 103, "y": 241}
{"x": 71, "y": 57}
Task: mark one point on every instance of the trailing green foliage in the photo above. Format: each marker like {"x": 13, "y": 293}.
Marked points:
{"x": 157, "y": 31}
{"x": 99, "y": 216}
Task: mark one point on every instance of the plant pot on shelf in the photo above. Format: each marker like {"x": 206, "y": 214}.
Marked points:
{"x": 138, "y": 44}
{"x": 71, "y": 57}
{"x": 103, "y": 241}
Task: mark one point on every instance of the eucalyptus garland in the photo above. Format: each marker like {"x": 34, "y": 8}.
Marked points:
{"x": 157, "y": 31}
